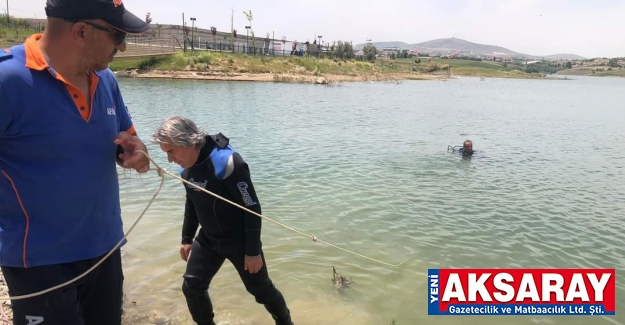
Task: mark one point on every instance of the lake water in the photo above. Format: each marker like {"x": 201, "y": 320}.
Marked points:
{"x": 365, "y": 166}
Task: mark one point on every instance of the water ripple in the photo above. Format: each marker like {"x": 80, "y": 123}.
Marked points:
{"x": 365, "y": 167}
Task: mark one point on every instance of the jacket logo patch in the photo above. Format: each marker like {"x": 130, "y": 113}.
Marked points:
{"x": 33, "y": 320}
{"x": 200, "y": 184}
{"x": 247, "y": 199}
{"x": 111, "y": 111}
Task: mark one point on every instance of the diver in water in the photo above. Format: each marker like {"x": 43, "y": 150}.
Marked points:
{"x": 466, "y": 150}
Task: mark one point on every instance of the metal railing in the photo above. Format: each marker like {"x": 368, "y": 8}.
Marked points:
{"x": 135, "y": 46}
{"x": 143, "y": 46}
{"x": 146, "y": 45}
{"x": 265, "y": 49}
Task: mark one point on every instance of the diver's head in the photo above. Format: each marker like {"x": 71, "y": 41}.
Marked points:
{"x": 181, "y": 139}
{"x": 467, "y": 146}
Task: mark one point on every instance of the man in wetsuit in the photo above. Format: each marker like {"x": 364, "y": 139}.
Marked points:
{"x": 467, "y": 148}
{"x": 227, "y": 231}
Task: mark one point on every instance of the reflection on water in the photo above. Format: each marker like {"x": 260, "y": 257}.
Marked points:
{"x": 365, "y": 167}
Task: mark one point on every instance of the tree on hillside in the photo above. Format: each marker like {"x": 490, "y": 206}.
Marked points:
{"x": 214, "y": 32}
{"x": 370, "y": 51}
{"x": 267, "y": 43}
{"x": 342, "y": 50}
{"x": 233, "y": 32}
{"x": 249, "y": 16}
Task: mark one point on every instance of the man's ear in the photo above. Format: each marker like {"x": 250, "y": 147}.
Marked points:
{"x": 78, "y": 32}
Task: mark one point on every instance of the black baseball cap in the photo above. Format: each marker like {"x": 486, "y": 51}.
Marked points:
{"x": 111, "y": 11}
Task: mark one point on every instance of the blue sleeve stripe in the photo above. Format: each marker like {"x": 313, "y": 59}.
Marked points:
{"x": 220, "y": 158}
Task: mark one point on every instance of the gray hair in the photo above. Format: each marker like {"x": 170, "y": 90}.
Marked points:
{"x": 179, "y": 131}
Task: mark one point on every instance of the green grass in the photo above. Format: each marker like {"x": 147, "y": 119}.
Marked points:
{"x": 241, "y": 63}
{"x": 223, "y": 62}
{"x": 126, "y": 63}
{"x": 11, "y": 37}
{"x": 487, "y": 69}
{"x": 613, "y": 73}
{"x": 492, "y": 73}
{"x": 587, "y": 71}
{"x": 455, "y": 63}
{"x": 465, "y": 68}
{"x": 13, "y": 34}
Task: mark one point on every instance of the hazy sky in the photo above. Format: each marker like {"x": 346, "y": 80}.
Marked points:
{"x": 535, "y": 27}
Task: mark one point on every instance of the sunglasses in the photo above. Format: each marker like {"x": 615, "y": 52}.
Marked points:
{"x": 118, "y": 36}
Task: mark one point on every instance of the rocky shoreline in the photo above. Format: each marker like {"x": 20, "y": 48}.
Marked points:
{"x": 6, "y": 316}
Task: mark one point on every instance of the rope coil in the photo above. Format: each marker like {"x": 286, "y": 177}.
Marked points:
{"x": 161, "y": 173}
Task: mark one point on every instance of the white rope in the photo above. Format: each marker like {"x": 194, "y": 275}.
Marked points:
{"x": 42, "y": 292}
{"x": 161, "y": 172}
{"x": 313, "y": 237}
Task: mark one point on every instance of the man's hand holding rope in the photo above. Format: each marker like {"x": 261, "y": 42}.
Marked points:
{"x": 130, "y": 157}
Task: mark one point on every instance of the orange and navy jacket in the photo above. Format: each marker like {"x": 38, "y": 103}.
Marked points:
{"x": 59, "y": 192}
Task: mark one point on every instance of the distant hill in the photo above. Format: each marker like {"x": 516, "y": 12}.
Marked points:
{"x": 444, "y": 45}
{"x": 380, "y": 45}
{"x": 455, "y": 45}
{"x": 564, "y": 57}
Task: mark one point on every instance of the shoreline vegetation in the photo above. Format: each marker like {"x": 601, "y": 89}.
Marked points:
{"x": 223, "y": 66}
{"x": 295, "y": 69}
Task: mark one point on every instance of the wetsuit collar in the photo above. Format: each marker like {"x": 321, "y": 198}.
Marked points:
{"x": 208, "y": 147}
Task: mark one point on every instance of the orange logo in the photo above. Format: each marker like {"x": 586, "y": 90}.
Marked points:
{"x": 117, "y": 3}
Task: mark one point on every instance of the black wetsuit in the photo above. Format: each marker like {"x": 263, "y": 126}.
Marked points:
{"x": 465, "y": 153}
{"x": 227, "y": 232}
